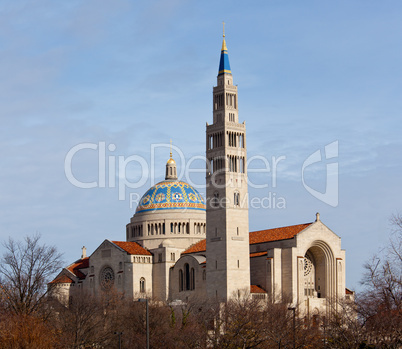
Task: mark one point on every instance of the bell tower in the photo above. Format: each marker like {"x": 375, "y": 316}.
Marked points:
{"x": 227, "y": 251}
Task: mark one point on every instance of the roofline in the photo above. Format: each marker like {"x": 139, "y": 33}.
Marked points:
{"x": 121, "y": 249}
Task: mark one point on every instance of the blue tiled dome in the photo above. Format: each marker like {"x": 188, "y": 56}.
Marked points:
{"x": 168, "y": 195}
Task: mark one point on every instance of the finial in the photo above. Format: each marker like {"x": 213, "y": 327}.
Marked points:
{"x": 317, "y": 217}
{"x": 171, "y": 171}
{"x": 223, "y": 29}
{"x": 84, "y": 252}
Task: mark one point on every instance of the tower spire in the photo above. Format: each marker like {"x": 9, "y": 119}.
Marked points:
{"x": 224, "y": 66}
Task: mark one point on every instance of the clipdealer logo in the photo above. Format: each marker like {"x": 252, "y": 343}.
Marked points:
{"x": 112, "y": 172}
{"x": 330, "y": 195}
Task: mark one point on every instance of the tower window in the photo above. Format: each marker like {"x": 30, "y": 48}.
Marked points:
{"x": 236, "y": 199}
{"x": 215, "y": 200}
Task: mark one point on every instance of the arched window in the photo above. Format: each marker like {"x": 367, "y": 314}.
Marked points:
{"x": 180, "y": 280}
{"x": 142, "y": 285}
{"x": 236, "y": 199}
{"x": 215, "y": 200}
{"x": 192, "y": 279}
{"x": 187, "y": 276}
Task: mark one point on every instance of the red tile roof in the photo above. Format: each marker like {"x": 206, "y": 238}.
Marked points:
{"x": 258, "y": 254}
{"x": 283, "y": 233}
{"x": 347, "y": 291}
{"x": 77, "y": 265}
{"x": 200, "y": 246}
{"x": 258, "y": 237}
{"x": 62, "y": 279}
{"x": 132, "y": 247}
{"x": 256, "y": 289}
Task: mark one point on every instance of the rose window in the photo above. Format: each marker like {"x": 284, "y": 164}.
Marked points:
{"x": 308, "y": 265}
{"x": 107, "y": 278}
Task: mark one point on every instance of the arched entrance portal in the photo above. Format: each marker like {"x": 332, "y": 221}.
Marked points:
{"x": 318, "y": 272}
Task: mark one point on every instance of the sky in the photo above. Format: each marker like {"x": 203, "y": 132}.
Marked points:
{"x": 91, "y": 92}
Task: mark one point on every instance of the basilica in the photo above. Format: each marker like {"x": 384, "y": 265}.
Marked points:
{"x": 179, "y": 246}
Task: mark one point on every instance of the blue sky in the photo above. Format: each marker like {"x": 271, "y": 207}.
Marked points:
{"x": 133, "y": 74}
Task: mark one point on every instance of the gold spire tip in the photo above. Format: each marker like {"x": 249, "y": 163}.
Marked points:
{"x": 223, "y": 29}
{"x": 170, "y": 148}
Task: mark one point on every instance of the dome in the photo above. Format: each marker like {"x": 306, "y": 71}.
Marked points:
{"x": 171, "y": 161}
{"x": 168, "y": 195}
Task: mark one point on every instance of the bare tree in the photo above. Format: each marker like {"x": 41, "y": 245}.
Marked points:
{"x": 87, "y": 321}
{"x": 25, "y": 268}
{"x": 380, "y": 304}
{"x": 26, "y": 331}
{"x": 342, "y": 329}
{"x": 243, "y": 323}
